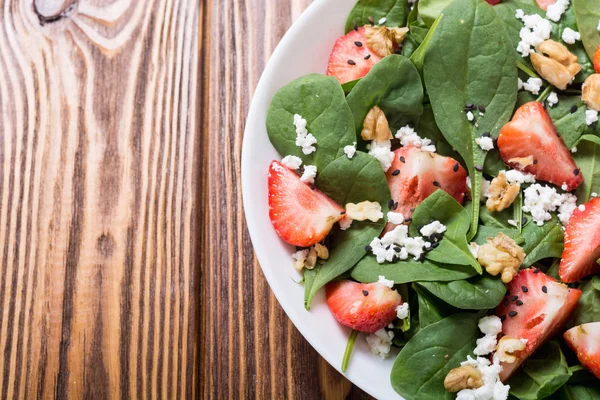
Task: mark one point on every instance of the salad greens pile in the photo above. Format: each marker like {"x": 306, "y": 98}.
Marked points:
{"x": 455, "y": 53}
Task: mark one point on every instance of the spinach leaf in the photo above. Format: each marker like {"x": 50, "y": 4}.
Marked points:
{"x": 453, "y": 248}
{"x": 418, "y": 57}
{"x": 568, "y": 20}
{"x": 542, "y": 375}
{"x": 394, "y": 11}
{"x": 588, "y": 305}
{"x": 587, "y": 13}
{"x": 541, "y": 242}
{"x": 320, "y": 100}
{"x": 431, "y": 310}
{"x": 570, "y": 125}
{"x": 588, "y": 160}
{"x": 497, "y": 219}
{"x": 485, "y": 232}
{"x": 368, "y": 270}
{"x": 580, "y": 392}
{"x": 442, "y": 348}
{"x": 477, "y": 293}
{"x": 470, "y": 59}
{"x": 394, "y": 85}
{"x": 348, "y": 180}
{"x": 427, "y": 128}
{"x": 348, "y": 86}
{"x": 429, "y": 10}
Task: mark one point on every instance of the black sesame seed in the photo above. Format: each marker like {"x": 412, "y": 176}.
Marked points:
{"x": 358, "y": 44}
{"x": 434, "y": 245}
{"x": 523, "y": 221}
{"x": 502, "y": 317}
{"x": 524, "y": 289}
{"x": 367, "y": 56}
{"x": 342, "y": 212}
{"x": 408, "y": 220}
{"x": 558, "y": 134}
{"x": 486, "y": 134}
{"x": 519, "y": 303}
{"x": 537, "y": 270}
{"x": 481, "y": 108}
{"x": 505, "y": 301}
{"x": 513, "y": 298}
{"x": 573, "y": 109}
{"x": 402, "y": 159}
{"x": 470, "y": 106}
{"x": 396, "y": 172}
{"x": 544, "y": 289}
{"x": 371, "y": 20}
{"x": 397, "y": 249}
{"x": 436, "y": 183}
{"x": 576, "y": 172}
{"x": 368, "y": 248}
{"x": 512, "y": 314}
{"x": 351, "y": 62}
{"x": 390, "y": 203}
{"x": 412, "y": 210}
{"x": 355, "y": 26}
{"x": 365, "y": 292}
{"x": 535, "y": 161}
{"x": 479, "y": 168}
{"x": 455, "y": 168}
{"x": 395, "y": 206}
{"x": 388, "y": 246}
{"x": 312, "y": 187}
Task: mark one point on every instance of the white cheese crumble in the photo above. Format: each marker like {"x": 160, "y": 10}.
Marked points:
{"x": 409, "y": 138}
{"x": 345, "y": 223}
{"x": 574, "y": 149}
{"x": 485, "y": 187}
{"x": 486, "y": 143}
{"x": 519, "y": 84}
{"x": 581, "y": 207}
{"x": 310, "y": 172}
{"x": 382, "y": 151}
{"x": 350, "y": 150}
{"x": 304, "y": 139}
{"x": 552, "y": 99}
{"x": 533, "y": 85}
{"x": 402, "y": 311}
{"x": 380, "y": 342}
{"x": 470, "y": 116}
{"x": 517, "y": 177}
{"x": 395, "y": 218}
{"x": 534, "y": 33}
{"x": 598, "y": 28}
{"x": 570, "y": 36}
{"x": 300, "y": 256}
{"x": 512, "y": 222}
{"x": 434, "y": 227}
{"x": 386, "y": 282}
{"x": 382, "y": 21}
{"x": 594, "y": 194}
{"x": 490, "y": 325}
{"x": 396, "y": 244}
{"x": 474, "y": 249}
{"x": 555, "y": 11}
{"x": 292, "y": 162}
{"x": 540, "y": 201}
{"x": 591, "y": 116}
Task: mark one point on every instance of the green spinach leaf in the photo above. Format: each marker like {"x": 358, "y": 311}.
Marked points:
{"x": 568, "y": 20}
{"x": 429, "y": 10}
{"x": 443, "y": 349}
{"x": 580, "y": 392}
{"x": 587, "y": 159}
{"x": 348, "y": 180}
{"x": 570, "y": 125}
{"x": 541, "y": 242}
{"x": 485, "y": 232}
{"x": 477, "y": 293}
{"x": 394, "y": 11}
{"x": 394, "y": 85}
{"x": 542, "y": 374}
{"x": 427, "y": 128}
{"x": 470, "y": 59}
{"x": 418, "y": 57}
{"x": 320, "y": 100}
{"x": 588, "y": 305}
{"x": 453, "y": 248}
{"x": 431, "y": 310}
{"x": 587, "y": 13}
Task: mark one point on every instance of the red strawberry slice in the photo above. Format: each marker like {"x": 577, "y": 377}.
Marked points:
{"x": 585, "y": 341}
{"x": 545, "y": 3}
{"x": 582, "y": 243}
{"x": 493, "y": 2}
{"x": 350, "y": 58}
{"x": 365, "y": 307}
{"x": 597, "y": 60}
{"x": 300, "y": 214}
{"x": 532, "y": 133}
{"x": 535, "y": 308}
{"x": 415, "y": 174}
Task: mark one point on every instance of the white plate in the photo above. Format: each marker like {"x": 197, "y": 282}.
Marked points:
{"x": 304, "y": 49}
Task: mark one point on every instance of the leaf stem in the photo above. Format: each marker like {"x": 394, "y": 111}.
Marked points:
{"x": 545, "y": 94}
{"x": 526, "y": 69}
{"x": 348, "y": 351}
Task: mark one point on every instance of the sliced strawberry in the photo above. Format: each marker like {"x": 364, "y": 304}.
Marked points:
{"x": 365, "y": 307}
{"x": 493, "y": 2}
{"x": 350, "y": 58}
{"x": 597, "y": 60}
{"x": 415, "y": 174}
{"x": 582, "y": 243}
{"x": 532, "y": 133}
{"x": 300, "y": 214}
{"x": 585, "y": 341}
{"x": 545, "y": 3}
{"x": 535, "y": 308}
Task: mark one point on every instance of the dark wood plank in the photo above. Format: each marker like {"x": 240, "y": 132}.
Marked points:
{"x": 249, "y": 348}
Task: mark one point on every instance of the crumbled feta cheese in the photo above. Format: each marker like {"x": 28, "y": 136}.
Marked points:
{"x": 470, "y": 116}
{"x": 490, "y": 325}
{"x": 299, "y": 258}
{"x": 434, "y": 227}
{"x": 304, "y": 139}
{"x": 310, "y": 172}
{"x": 534, "y": 33}
{"x": 396, "y": 244}
{"x": 574, "y": 149}
{"x": 533, "y": 85}
{"x": 486, "y": 143}
{"x": 415, "y": 246}
{"x": 564, "y": 187}
{"x": 517, "y": 177}
{"x": 474, "y": 249}
{"x": 594, "y": 194}
{"x": 552, "y": 99}
{"x": 485, "y": 345}
{"x": 598, "y": 28}
{"x": 380, "y": 342}
{"x": 485, "y": 186}
{"x": 540, "y": 200}
{"x": 386, "y": 282}
{"x": 382, "y": 21}
{"x": 345, "y": 223}
{"x": 512, "y": 222}
{"x": 395, "y": 218}
{"x": 402, "y": 311}
{"x": 350, "y": 151}
{"x": 382, "y": 151}
{"x": 292, "y": 162}
{"x": 519, "y": 84}
{"x": 570, "y": 36}
{"x": 555, "y": 11}
{"x": 591, "y": 116}
{"x": 409, "y": 138}
{"x": 581, "y": 207}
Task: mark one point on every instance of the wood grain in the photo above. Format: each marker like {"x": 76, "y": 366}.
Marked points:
{"x": 99, "y": 182}
{"x": 249, "y": 348}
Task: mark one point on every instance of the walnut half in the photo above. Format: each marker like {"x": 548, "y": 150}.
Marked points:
{"x": 464, "y": 377}
{"x": 559, "y": 67}
{"x": 382, "y": 39}
{"x": 591, "y": 92}
{"x": 507, "y": 347}
{"x": 375, "y": 126}
{"x": 501, "y": 255}
{"x": 501, "y": 193}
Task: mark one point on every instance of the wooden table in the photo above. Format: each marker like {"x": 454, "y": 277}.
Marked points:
{"x": 126, "y": 270}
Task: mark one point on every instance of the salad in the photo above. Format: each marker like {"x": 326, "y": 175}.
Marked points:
{"x": 440, "y": 183}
